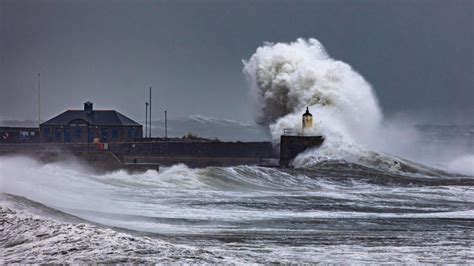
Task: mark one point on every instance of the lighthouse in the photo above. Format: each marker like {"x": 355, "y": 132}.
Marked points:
{"x": 307, "y": 120}
{"x": 291, "y": 145}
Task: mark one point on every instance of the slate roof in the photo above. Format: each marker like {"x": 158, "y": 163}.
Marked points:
{"x": 96, "y": 118}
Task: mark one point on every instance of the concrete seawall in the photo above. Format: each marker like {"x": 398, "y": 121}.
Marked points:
{"x": 150, "y": 155}
{"x": 137, "y": 155}
{"x": 100, "y": 161}
{"x": 198, "y": 154}
{"x": 291, "y": 146}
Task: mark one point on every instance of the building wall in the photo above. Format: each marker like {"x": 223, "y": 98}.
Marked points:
{"x": 84, "y": 133}
{"x": 19, "y": 135}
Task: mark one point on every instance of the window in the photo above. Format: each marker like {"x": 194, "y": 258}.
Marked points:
{"x": 46, "y": 131}
{"x": 78, "y": 132}
{"x": 24, "y": 135}
{"x": 133, "y": 132}
{"x": 114, "y": 133}
{"x": 104, "y": 132}
{"x": 90, "y": 137}
{"x": 57, "y": 134}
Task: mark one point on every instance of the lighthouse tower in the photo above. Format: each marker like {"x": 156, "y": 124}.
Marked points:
{"x": 307, "y": 120}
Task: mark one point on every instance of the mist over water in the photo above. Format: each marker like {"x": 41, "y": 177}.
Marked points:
{"x": 377, "y": 191}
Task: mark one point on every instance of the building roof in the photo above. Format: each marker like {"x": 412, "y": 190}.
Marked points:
{"x": 95, "y": 118}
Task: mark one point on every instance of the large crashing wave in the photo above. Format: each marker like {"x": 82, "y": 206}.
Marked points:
{"x": 285, "y": 78}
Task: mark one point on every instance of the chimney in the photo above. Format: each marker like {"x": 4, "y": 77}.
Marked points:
{"x": 88, "y": 107}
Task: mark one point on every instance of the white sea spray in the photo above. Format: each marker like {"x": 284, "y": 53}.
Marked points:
{"x": 285, "y": 78}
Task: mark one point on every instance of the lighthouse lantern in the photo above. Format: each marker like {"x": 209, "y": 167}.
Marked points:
{"x": 307, "y": 120}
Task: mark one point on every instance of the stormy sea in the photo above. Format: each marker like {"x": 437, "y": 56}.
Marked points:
{"x": 379, "y": 190}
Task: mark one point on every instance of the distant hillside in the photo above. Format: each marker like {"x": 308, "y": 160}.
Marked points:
{"x": 198, "y": 125}
{"x": 15, "y": 123}
{"x": 211, "y": 128}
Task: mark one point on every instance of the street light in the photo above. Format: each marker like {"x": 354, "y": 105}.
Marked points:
{"x": 146, "y": 119}
{"x": 166, "y": 125}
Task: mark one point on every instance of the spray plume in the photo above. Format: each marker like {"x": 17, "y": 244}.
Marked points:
{"x": 286, "y": 77}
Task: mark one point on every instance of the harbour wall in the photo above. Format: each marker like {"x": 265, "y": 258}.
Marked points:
{"x": 193, "y": 154}
{"x": 291, "y": 146}
{"x": 153, "y": 154}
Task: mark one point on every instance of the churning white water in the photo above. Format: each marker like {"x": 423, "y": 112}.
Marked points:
{"x": 336, "y": 211}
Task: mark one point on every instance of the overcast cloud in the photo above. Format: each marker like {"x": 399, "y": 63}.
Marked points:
{"x": 418, "y": 55}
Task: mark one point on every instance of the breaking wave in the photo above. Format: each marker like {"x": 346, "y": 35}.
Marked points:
{"x": 285, "y": 78}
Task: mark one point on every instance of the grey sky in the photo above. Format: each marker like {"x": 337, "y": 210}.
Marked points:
{"x": 418, "y": 55}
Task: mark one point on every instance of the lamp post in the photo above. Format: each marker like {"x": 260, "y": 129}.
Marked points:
{"x": 39, "y": 100}
{"x": 150, "y": 114}
{"x": 146, "y": 119}
{"x": 166, "y": 125}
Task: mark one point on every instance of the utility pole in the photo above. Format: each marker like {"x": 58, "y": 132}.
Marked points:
{"x": 146, "y": 119}
{"x": 166, "y": 125}
{"x": 150, "y": 114}
{"x": 39, "y": 100}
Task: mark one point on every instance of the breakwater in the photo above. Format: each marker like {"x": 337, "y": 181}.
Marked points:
{"x": 148, "y": 154}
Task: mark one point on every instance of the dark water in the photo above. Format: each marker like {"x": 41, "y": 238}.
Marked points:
{"x": 332, "y": 212}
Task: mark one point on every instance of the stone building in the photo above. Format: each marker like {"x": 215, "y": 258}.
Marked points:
{"x": 88, "y": 125}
